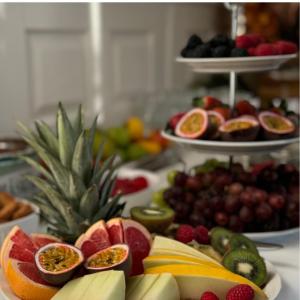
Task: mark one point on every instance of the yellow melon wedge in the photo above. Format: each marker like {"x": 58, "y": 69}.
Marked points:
{"x": 194, "y": 280}
{"x": 160, "y": 260}
{"x": 165, "y": 246}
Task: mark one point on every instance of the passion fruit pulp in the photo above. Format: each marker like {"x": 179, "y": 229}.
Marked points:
{"x": 240, "y": 129}
{"x": 215, "y": 120}
{"x": 193, "y": 124}
{"x": 276, "y": 126}
{"x": 116, "y": 257}
{"x": 57, "y": 262}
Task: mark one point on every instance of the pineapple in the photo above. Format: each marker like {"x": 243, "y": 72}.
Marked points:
{"x": 74, "y": 192}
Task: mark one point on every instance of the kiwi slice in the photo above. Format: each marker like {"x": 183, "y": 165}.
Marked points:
{"x": 154, "y": 219}
{"x": 219, "y": 238}
{"x": 239, "y": 241}
{"x": 247, "y": 264}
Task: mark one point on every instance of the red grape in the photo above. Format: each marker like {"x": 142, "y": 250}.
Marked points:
{"x": 235, "y": 188}
{"x": 246, "y": 215}
{"x": 193, "y": 183}
{"x": 260, "y": 195}
{"x": 217, "y": 203}
{"x": 232, "y": 203}
{"x": 235, "y": 223}
{"x": 276, "y": 201}
{"x": 196, "y": 219}
{"x": 180, "y": 179}
{"x": 189, "y": 198}
{"x": 221, "y": 218}
{"x": 247, "y": 198}
{"x": 263, "y": 212}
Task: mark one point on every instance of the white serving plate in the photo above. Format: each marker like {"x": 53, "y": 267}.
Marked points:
{"x": 227, "y": 148}
{"x": 236, "y": 64}
{"x": 272, "y": 234}
{"x": 143, "y": 197}
{"x": 271, "y": 289}
{"x": 29, "y": 223}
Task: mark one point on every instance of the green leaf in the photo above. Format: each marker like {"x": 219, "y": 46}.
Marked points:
{"x": 88, "y": 202}
{"x": 81, "y": 163}
{"x": 56, "y": 201}
{"x": 78, "y": 124}
{"x": 106, "y": 188}
{"x": 96, "y": 179}
{"x": 66, "y": 139}
{"x": 75, "y": 191}
{"x": 37, "y": 166}
{"x": 47, "y": 135}
{"x": 98, "y": 158}
{"x": 91, "y": 137}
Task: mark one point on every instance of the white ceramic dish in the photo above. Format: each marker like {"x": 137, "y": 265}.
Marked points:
{"x": 237, "y": 64}
{"x": 221, "y": 147}
{"x": 272, "y": 234}
{"x": 271, "y": 289}
{"x": 143, "y": 197}
{"x": 29, "y": 223}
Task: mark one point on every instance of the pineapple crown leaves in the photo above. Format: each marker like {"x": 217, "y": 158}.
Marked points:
{"x": 74, "y": 192}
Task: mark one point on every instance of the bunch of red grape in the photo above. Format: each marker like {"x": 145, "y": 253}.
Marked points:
{"x": 263, "y": 199}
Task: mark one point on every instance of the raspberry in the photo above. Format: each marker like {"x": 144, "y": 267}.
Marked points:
{"x": 244, "y": 107}
{"x": 265, "y": 49}
{"x": 251, "y": 51}
{"x": 224, "y": 111}
{"x": 240, "y": 292}
{"x": 201, "y": 235}
{"x": 285, "y": 47}
{"x": 256, "y": 39}
{"x": 185, "y": 233}
{"x": 243, "y": 41}
{"x": 209, "y": 296}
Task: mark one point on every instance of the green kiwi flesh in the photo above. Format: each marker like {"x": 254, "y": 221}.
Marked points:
{"x": 219, "y": 238}
{"x": 239, "y": 241}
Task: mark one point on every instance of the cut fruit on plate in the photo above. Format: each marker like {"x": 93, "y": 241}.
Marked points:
{"x": 137, "y": 237}
{"x": 194, "y": 280}
{"x": 94, "y": 239}
{"x": 42, "y": 239}
{"x": 17, "y": 261}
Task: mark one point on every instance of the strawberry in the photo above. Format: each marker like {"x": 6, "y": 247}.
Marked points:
{"x": 243, "y": 107}
{"x": 265, "y": 49}
{"x": 175, "y": 120}
{"x": 185, "y": 233}
{"x": 240, "y": 292}
{"x": 251, "y": 51}
{"x": 285, "y": 47}
{"x": 243, "y": 41}
{"x": 224, "y": 111}
{"x": 206, "y": 102}
{"x": 256, "y": 39}
{"x": 209, "y": 296}
{"x": 201, "y": 235}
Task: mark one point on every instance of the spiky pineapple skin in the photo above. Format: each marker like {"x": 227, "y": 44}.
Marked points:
{"x": 74, "y": 191}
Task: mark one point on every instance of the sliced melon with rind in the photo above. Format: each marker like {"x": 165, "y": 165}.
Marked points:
{"x": 142, "y": 287}
{"x": 172, "y": 245}
{"x": 165, "y": 287}
{"x": 194, "y": 280}
{"x": 159, "y": 260}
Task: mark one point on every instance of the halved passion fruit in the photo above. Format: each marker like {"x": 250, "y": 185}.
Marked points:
{"x": 239, "y": 129}
{"x": 193, "y": 124}
{"x": 57, "y": 262}
{"x": 116, "y": 257}
{"x": 276, "y": 126}
{"x": 215, "y": 120}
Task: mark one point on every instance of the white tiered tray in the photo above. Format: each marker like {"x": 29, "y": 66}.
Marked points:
{"x": 236, "y": 64}
{"x": 231, "y": 148}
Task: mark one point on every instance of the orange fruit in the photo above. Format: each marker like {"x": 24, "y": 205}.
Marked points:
{"x": 25, "y": 281}
{"x": 152, "y": 147}
{"x": 135, "y": 127}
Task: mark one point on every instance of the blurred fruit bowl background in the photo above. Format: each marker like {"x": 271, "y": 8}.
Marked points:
{"x": 130, "y": 141}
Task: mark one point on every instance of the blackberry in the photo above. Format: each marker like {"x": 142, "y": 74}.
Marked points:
{"x": 238, "y": 52}
{"x": 222, "y": 40}
{"x": 193, "y": 42}
{"x": 220, "y": 51}
{"x": 203, "y": 50}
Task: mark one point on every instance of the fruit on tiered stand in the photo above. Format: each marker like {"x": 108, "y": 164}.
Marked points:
{"x": 210, "y": 119}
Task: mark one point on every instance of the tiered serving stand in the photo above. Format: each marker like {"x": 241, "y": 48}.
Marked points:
{"x": 233, "y": 66}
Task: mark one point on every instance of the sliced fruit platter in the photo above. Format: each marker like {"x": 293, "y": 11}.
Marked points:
{"x": 261, "y": 199}
{"x": 247, "y": 53}
{"x": 119, "y": 260}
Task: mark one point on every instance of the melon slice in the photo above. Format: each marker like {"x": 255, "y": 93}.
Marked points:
{"x": 96, "y": 238}
{"x": 139, "y": 240}
{"x": 160, "y": 260}
{"x": 163, "y": 245}
{"x": 194, "y": 280}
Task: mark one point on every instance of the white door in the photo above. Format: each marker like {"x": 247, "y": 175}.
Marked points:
{"x": 44, "y": 58}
